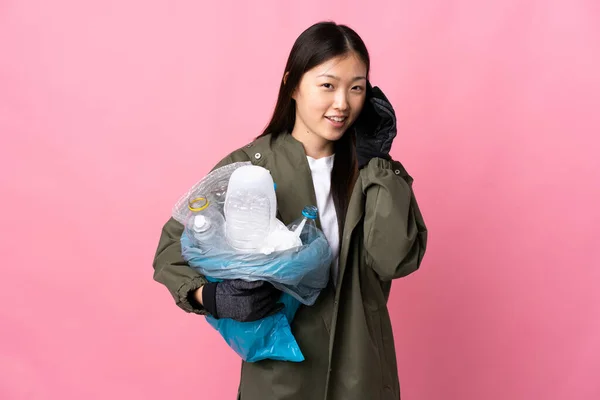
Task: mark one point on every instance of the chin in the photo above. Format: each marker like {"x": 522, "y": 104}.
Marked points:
{"x": 332, "y": 135}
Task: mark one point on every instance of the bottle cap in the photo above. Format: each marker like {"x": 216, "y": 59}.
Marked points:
{"x": 198, "y": 204}
{"x": 310, "y": 212}
{"x": 200, "y": 223}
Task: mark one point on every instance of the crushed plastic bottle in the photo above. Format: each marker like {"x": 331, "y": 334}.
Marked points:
{"x": 205, "y": 225}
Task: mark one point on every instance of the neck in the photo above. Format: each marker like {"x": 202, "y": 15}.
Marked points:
{"x": 314, "y": 146}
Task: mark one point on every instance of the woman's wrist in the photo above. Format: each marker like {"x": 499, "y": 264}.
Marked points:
{"x": 198, "y": 295}
{"x": 195, "y": 298}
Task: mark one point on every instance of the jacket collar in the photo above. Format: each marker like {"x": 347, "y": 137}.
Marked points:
{"x": 291, "y": 173}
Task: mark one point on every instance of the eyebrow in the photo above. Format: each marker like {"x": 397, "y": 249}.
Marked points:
{"x": 356, "y": 78}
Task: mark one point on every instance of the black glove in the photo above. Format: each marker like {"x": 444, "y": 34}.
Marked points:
{"x": 240, "y": 300}
{"x": 375, "y": 128}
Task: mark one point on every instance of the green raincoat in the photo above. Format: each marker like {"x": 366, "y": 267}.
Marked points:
{"x": 346, "y": 336}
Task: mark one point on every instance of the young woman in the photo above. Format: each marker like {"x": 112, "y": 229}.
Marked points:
{"x": 327, "y": 144}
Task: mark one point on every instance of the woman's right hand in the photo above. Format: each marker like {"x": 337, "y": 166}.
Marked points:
{"x": 240, "y": 300}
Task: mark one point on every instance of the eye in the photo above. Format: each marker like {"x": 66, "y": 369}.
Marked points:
{"x": 358, "y": 88}
{"x": 327, "y": 86}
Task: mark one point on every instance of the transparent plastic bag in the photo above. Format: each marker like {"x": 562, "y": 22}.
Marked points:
{"x": 300, "y": 273}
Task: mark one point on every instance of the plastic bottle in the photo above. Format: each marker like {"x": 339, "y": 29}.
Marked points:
{"x": 205, "y": 225}
{"x": 305, "y": 227}
{"x": 250, "y": 208}
{"x": 217, "y": 195}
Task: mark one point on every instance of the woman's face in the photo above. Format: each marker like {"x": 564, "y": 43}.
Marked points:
{"x": 330, "y": 97}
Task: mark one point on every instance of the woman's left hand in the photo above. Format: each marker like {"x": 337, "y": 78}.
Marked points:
{"x": 376, "y": 127}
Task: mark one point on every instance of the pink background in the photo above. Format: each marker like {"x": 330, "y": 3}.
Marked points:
{"x": 110, "y": 110}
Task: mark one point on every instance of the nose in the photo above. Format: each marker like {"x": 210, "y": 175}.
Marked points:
{"x": 340, "y": 101}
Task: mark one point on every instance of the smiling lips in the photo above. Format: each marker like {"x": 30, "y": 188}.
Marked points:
{"x": 337, "y": 120}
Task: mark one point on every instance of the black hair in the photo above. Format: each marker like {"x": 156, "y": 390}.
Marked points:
{"x": 318, "y": 44}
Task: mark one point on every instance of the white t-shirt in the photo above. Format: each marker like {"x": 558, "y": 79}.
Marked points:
{"x": 321, "y": 175}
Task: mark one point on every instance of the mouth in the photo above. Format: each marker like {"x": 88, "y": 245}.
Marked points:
{"x": 337, "y": 119}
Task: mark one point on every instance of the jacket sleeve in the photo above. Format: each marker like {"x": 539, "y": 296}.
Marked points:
{"x": 171, "y": 269}
{"x": 395, "y": 235}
